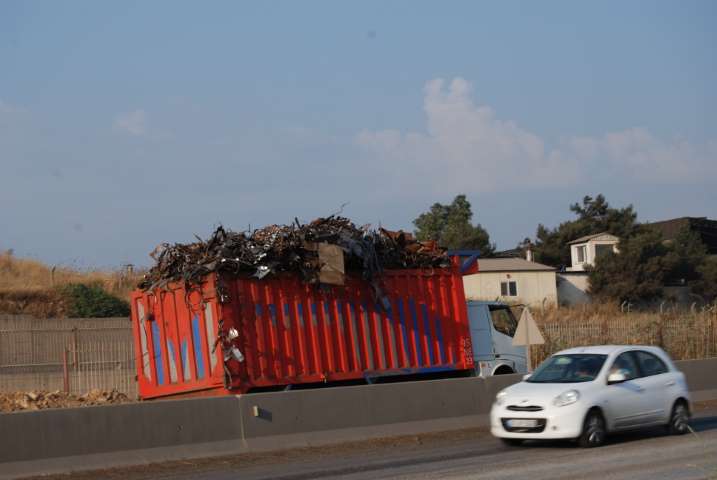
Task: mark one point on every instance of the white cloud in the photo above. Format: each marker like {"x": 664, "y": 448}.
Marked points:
{"x": 134, "y": 123}
{"x": 467, "y": 148}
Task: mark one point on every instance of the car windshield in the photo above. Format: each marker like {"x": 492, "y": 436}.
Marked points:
{"x": 575, "y": 368}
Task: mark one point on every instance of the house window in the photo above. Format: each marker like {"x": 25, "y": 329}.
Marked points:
{"x": 581, "y": 254}
{"x": 508, "y": 289}
{"x": 601, "y": 250}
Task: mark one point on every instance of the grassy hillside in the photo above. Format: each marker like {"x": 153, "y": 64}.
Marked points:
{"x": 34, "y": 288}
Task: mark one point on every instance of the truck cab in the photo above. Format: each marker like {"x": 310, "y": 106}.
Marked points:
{"x": 492, "y": 326}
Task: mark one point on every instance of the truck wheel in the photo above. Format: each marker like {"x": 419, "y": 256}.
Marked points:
{"x": 504, "y": 371}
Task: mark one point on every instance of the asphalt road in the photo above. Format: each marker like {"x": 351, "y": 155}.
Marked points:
{"x": 463, "y": 455}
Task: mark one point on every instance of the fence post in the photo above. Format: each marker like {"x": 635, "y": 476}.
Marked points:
{"x": 660, "y": 338}
{"x": 75, "y": 355}
{"x": 65, "y": 372}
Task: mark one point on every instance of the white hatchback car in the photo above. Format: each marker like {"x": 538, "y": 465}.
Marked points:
{"x": 585, "y": 393}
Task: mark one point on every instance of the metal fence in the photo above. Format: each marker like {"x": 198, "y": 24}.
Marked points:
{"x": 71, "y": 354}
{"x": 684, "y": 336}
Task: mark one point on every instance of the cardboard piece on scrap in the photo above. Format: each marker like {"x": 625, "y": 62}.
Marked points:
{"x": 331, "y": 260}
{"x": 527, "y": 332}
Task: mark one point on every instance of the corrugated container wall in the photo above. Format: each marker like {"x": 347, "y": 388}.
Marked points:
{"x": 231, "y": 335}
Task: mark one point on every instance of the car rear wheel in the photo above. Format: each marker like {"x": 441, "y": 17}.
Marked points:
{"x": 594, "y": 431}
{"x": 679, "y": 419}
{"x": 512, "y": 442}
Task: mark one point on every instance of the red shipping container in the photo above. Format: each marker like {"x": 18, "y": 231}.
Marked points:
{"x": 231, "y": 335}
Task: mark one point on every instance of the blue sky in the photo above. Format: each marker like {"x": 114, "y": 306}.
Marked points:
{"x": 126, "y": 124}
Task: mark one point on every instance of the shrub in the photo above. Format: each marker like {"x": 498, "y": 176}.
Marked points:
{"x": 92, "y": 301}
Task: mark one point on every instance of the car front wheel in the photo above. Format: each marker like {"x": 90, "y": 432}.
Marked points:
{"x": 594, "y": 431}
{"x": 679, "y": 419}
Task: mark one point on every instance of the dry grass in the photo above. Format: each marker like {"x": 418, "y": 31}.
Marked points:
{"x": 30, "y": 287}
{"x": 683, "y": 334}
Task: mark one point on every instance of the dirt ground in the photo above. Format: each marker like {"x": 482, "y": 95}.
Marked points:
{"x": 19, "y": 401}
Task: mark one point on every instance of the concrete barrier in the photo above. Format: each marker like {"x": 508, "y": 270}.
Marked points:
{"x": 64, "y": 440}
{"x": 93, "y": 437}
{"x": 701, "y": 377}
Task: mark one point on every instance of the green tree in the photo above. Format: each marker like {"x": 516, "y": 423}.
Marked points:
{"x": 450, "y": 225}
{"x": 92, "y": 301}
{"x": 687, "y": 254}
{"x": 594, "y": 215}
{"x": 706, "y": 283}
{"x": 636, "y": 273}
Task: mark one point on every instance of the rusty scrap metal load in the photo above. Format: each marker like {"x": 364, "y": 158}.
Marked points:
{"x": 320, "y": 251}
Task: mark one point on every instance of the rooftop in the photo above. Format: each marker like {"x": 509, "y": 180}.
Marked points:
{"x": 511, "y": 265}
{"x": 587, "y": 238}
{"x": 705, "y": 228}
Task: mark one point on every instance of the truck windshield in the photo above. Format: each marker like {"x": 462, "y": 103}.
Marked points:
{"x": 575, "y": 368}
{"x": 503, "y": 320}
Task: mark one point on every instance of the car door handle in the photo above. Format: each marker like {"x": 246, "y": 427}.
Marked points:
{"x": 670, "y": 384}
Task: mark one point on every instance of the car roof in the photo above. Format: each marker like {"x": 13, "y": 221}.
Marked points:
{"x": 606, "y": 349}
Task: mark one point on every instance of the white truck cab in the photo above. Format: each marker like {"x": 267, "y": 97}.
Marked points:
{"x": 492, "y": 327}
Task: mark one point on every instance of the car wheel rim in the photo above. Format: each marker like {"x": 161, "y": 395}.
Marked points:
{"x": 679, "y": 419}
{"x": 595, "y": 431}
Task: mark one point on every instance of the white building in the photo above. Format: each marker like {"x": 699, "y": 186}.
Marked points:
{"x": 573, "y": 283}
{"x": 512, "y": 280}
{"x": 585, "y": 250}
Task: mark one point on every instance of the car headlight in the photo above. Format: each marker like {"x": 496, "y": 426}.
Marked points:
{"x": 500, "y": 398}
{"x": 566, "y": 398}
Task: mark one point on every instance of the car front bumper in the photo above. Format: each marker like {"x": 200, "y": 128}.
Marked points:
{"x": 553, "y": 422}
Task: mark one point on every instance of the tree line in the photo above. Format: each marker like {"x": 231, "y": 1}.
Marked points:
{"x": 645, "y": 263}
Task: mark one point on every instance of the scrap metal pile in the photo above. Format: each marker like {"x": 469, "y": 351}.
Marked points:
{"x": 320, "y": 251}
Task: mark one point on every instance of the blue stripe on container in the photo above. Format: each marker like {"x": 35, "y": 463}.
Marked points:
{"x": 327, "y": 313}
{"x": 301, "y": 315}
{"x": 259, "y": 311}
{"x": 439, "y": 334}
{"x": 340, "y": 317}
{"x": 358, "y": 351}
{"x": 183, "y": 354}
{"x": 427, "y": 329}
{"x": 434, "y": 369}
{"x": 314, "y": 315}
{"x": 416, "y": 336}
{"x": 157, "y": 353}
{"x": 172, "y": 362}
{"x": 272, "y": 312}
{"x": 402, "y": 322}
{"x": 197, "y": 341}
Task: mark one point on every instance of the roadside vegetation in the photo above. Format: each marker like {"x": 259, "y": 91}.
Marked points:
{"x": 645, "y": 263}
{"x": 684, "y": 334}
{"x": 30, "y": 287}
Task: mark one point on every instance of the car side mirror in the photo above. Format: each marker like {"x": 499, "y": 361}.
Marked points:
{"x": 526, "y": 376}
{"x": 616, "y": 377}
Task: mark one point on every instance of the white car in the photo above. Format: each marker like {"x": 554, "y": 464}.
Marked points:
{"x": 585, "y": 393}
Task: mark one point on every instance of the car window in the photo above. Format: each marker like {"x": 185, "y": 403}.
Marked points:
{"x": 625, "y": 364}
{"x": 568, "y": 368}
{"x": 503, "y": 320}
{"x": 650, "y": 364}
